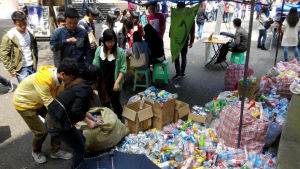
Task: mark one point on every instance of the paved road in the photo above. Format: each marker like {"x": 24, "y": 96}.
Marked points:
{"x": 198, "y": 87}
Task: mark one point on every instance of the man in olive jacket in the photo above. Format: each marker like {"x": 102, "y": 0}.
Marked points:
{"x": 18, "y": 50}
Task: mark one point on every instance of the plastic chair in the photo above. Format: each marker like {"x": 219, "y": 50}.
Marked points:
{"x": 146, "y": 73}
{"x": 161, "y": 74}
{"x": 237, "y": 58}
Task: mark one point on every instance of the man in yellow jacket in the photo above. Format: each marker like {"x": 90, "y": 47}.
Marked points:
{"x": 32, "y": 98}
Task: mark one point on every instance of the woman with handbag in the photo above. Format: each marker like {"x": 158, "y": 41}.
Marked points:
{"x": 111, "y": 61}
{"x": 140, "y": 57}
{"x": 70, "y": 107}
{"x": 290, "y": 29}
{"x": 262, "y": 19}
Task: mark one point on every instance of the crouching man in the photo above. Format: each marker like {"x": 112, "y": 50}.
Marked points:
{"x": 32, "y": 98}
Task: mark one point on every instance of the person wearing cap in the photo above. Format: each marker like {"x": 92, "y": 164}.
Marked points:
{"x": 155, "y": 19}
{"x": 88, "y": 24}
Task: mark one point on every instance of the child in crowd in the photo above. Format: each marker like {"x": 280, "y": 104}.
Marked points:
{"x": 137, "y": 26}
{"x": 60, "y": 20}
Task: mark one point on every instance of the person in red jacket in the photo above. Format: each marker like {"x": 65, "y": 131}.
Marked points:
{"x": 155, "y": 19}
{"x": 137, "y": 26}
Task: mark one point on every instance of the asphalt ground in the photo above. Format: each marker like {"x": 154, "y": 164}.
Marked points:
{"x": 198, "y": 87}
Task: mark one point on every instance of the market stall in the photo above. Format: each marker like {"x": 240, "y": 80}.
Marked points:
{"x": 230, "y": 131}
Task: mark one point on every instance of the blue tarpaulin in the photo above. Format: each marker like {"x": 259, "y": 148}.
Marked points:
{"x": 286, "y": 9}
{"x": 118, "y": 160}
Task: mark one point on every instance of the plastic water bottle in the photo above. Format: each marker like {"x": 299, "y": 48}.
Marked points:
{"x": 226, "y": 155}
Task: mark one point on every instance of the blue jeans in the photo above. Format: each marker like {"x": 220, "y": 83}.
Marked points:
{"x": 24, "y": 72}
{"x": 74, "y": 139}
{"x": 200, "y": 28}
{"x": 263, "y": 35}
{"x": 286, "y": 50}
{"x": 225, "y": 17}
{"x": 230, "y": 17}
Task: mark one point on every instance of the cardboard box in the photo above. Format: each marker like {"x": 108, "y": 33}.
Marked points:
{"x": 199, "y": 118}
{"x": 252, "y": 91}
{"x": 138, "y": 120}
{"x": 181, "y": 110}
{"x": 163, "y": 114}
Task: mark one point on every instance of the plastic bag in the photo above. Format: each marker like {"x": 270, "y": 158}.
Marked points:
{"x": 295, "y": 86}
{"x": 273, "y": 132}
{"x": 106, "y": 135}
{"x": 134, "y": 98}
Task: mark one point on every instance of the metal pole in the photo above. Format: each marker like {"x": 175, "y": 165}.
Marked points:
{"x": 246, "y": 71}
{"x": 279, "y": 31}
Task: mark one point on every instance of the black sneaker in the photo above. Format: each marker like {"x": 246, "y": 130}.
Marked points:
{"x": 182, "y": 75}
{"x": 263, "y": 48}
{"x": 176, "y": 77}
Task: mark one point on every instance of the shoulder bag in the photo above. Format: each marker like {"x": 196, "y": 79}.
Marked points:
{"x": 141, "y": 61}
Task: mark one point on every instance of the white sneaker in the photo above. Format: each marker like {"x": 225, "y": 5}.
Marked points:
{"x": 11, "y": 87}
{"x": 39, "y": 157}
{"x": 61, "y": 154}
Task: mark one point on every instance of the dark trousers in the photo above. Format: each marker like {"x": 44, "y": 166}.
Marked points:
{"x": 183, "y": 60}
{"x": 4, "y": 81}
{"x": 74, "y": 139}
{"x": 114, "y": 102}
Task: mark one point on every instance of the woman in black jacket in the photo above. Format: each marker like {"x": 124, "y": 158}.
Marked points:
{"x": 155, "y": 44}
{"x": 70, "y": 107}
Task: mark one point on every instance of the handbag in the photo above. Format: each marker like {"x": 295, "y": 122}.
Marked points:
{"x": 267, "y": 24}
{"x": 141, "y": 61}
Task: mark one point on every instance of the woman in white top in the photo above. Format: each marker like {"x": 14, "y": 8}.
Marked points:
{"x": 262, "y": 19}
{"x": 290, "y": 29}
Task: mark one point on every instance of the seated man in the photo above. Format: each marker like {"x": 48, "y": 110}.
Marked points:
{"x": 239, "y": 43}
{"x": 240, "y": 40}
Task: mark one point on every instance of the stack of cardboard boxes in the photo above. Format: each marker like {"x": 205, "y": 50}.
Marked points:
{"x": 157, "y": 115}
